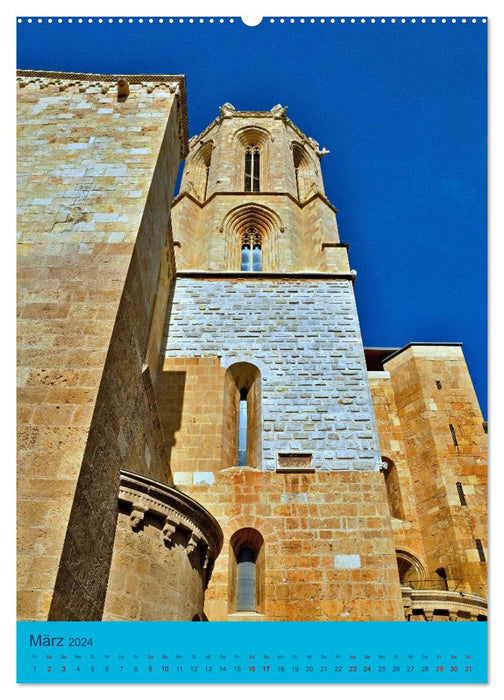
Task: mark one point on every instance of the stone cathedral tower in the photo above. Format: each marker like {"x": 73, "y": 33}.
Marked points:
{"x": 267, "y": 408}
{"x": 268, "y": 402}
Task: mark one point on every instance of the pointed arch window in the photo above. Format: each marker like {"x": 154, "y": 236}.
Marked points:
{"x": 301, "y": 171}
{"x": 251, "y": 259}
{"x": 252, "y": 165}
{"x": 197, "y": 173}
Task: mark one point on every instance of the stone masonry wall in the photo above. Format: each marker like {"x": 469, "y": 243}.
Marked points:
{"x": 95, "y": 180}
{"x": 433, "y": 390}
{"x": 304, "y": 337}
{"x": 299, "y": 243}
{"x": 406, "y": 530}
{"x": 328, "y": 546}
{"x": 149, "y": 581}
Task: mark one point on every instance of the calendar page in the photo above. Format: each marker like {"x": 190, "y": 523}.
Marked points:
{"x": 251, "y": 357}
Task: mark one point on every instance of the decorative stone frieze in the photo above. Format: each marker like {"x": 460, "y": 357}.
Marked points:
{"x": 454, "y": 605}
{"x": 176, "y": 511}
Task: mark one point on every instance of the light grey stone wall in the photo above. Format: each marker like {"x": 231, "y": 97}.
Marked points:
{"x": 304, "y": 337}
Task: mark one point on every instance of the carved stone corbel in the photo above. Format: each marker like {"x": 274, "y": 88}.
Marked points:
{"x": 168, "y": 531}
{"x": 137, "y": 515}
{"x": 192, "y": 544}
{"x": 123, "y": 88}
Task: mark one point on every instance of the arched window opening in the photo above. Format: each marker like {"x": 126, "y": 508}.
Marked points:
{"x": 251, "y": 250}
{"x": 252, "y": 144}
{"x": 252, "y": 165}
{"x": 443, "y": 579}
{"x": 197, "y": 171}
{"x": 411, "y": 571}
{"x": 393, "y": 489}
{"x": 252, "y": 238}
{"x": 241, "y": 444}
{"x": 246, "y": 572}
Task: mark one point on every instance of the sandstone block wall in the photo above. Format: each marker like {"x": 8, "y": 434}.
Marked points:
{"x": 328, "y": 547}
{"x": 164, "y": 552}
{"x": 433, "y": 391}
{"x": 96, "y": 175}
{"x": 399, "y": 481}
{"x": 301, "y": 238}
{"x": 304, "y": 337}
{"x": 149, "y": 581}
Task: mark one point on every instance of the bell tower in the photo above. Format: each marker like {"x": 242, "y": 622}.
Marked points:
{"x": 264, "y": 395}
{"x": 253, "y": 182}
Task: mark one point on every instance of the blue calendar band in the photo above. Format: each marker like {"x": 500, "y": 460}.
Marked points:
{"x": 244, "y": 652}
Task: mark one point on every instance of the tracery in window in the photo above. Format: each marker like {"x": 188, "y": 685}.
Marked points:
{"x": 251, "y": 245}
{"x": 252, "y": 238}
{"x": 253, "y": 147}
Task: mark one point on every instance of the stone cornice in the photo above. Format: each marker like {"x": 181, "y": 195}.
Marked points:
{"x": 174, "y": 83}
{"x": 414, "y": 344}
{"x": 175, "y": 510}
{"x": 254, "y": 197}
{"x": 256, "y": 276}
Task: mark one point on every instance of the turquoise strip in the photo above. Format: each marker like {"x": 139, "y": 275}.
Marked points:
{"x": 246, "y": 652}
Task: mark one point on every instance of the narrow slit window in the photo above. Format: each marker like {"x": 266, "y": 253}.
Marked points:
{"x": 438, "y": 384}
{"x": 481, "y": 553}
{"x": 461, "y": 494}
{"x": 207, "y": 173}
{"x": 242, "y": 428}
{"x": 246, "y": 584}
{"x": 298, "y": 191}
{"x": 252, "y": 166}
{"x": 453, "y": 435}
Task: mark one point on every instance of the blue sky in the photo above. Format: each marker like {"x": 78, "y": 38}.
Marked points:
{"x": 401, "y": 107}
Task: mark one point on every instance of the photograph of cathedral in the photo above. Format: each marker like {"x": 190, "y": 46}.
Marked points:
{"x": 202, "y": 434}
